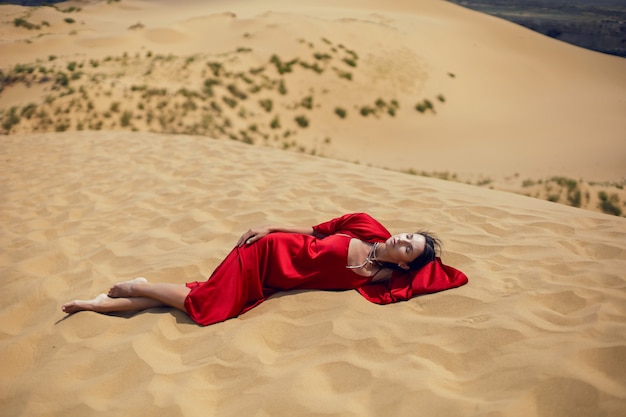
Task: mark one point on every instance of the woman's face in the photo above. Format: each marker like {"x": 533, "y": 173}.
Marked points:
{"x": 404, "y": 248}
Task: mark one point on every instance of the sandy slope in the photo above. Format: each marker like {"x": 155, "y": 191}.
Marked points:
{"x": 538, "y": 331}
{"x": 518, "y": 105}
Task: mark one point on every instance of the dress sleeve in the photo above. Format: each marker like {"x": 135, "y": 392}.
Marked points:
{"x": 434, "y": 277}
{"x": 359, "y": 225}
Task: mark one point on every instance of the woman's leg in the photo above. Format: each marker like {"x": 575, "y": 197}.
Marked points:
{"x": 133, "y": 295}
{"x": 105, "y": 304}
{"x": 172, "y": 295}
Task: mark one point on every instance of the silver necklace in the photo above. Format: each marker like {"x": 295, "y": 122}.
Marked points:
{"x": 369, "y": 259}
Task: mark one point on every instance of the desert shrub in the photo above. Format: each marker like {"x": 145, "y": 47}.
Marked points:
{"x": 341, "y": 112}
{"x": 71, "y": 66}
{"x": 569, "y": 183}
{"x": 307, "y": 102}
{"x": 266, "y": 104}
{"x": 275, "y": 123}
{"x": 321, "y": 57}
{"x": 343, "y": 74}
{"x": 11, "y": 118}
{"x": 282, "y": 67}
{"x": 216, "y": 107}
{"x": 609, "y": 203}
{"x": 209, "y": 83}
{"x": 302, "y": 121}
{"x": 282, "y": 89}
{"x": 574, "y": 198}
{"x": 62, "y": 79}
{"x": 61, "y": 126}
{"x": 350, "y": 61}
{"x": 425, "y": 105}
{"x": 28, "y": 110}
{"x": 69, "y": 20}
{"x": 232, "y": 88}
{"x": 367, "y": 110}
{"x": 115, "y": 106}
{"x": 20, "y": 68}
{"x": 441, "y": 98}
{"x": 230, "y": 102}
{"x": 215, "y": 67}
{"x": 19, "y": 22}
{"x": 315, "y": 67}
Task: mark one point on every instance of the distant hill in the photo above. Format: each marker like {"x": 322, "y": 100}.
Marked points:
{"x": 599, "y": 25}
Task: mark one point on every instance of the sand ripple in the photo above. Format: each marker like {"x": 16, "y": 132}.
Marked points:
{"x": 540, "y": 329}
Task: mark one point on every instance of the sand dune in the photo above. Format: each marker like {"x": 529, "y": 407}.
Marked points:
{"x": 511, "y": 107}
{"x": 539, "y": 330}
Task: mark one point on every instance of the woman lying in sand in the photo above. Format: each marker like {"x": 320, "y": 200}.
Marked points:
{"x": 350, "y": 252}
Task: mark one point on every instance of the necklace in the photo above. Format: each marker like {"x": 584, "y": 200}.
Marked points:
{"x": 369, "y": 259}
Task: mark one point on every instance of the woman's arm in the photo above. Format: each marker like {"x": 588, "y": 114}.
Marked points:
{"x": 254, "y": 234}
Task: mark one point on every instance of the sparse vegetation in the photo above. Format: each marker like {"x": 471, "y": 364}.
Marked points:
{"x": 341, "y": 112}
{"x": 266, "y": 104}
{"x": 609, "y": 204}
{"x": 92, "y": 94}
{"x": 302, "y": 121}
{"x": 424, "y": 106}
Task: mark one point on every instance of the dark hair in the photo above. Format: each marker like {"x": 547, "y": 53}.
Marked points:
{"x": 432, "y": 248}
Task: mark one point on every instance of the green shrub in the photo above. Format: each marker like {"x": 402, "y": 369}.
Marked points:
{"x": 350, "y": 61}
{"x": 341, "y": 112}
{"x": 302, "y": 121}
{"x": 275, "y": 124}
{"x": 307, "y": 102}
{"x": 215, "y": 67}
{"x": 266, "y": 104}
{"x": 232, "y": 88}
{"x": 209, "y": 83}
{"x": 11, "y": 118}
{"x": 69, "y": 20}
{"x": 19, "y": 22}
{"x": 367, "y": 110}
{"x": 609, "y": 203}
{"x": 282, "y": 67}
{"x": 425, "y": 105}
{"x": 282, "y": 89}
{"x": 28, "y": 110}
{"x": 321, "y": 57}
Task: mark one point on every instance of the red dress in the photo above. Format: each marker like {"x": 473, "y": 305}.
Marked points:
{"x": 289, "y": 261}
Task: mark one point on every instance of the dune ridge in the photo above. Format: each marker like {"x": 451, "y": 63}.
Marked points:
{"x": 539, "y": 330}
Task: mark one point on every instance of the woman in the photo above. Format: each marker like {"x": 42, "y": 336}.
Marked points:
{"x": 350, "y": 252}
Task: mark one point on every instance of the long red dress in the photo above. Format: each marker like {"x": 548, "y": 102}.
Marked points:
{"x": 288, "y": 261}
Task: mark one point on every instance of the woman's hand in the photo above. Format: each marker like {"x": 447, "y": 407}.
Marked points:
{"x": 254, "y": 234}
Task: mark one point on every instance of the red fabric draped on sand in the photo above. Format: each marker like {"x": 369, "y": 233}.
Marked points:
{"x": 433, "y": 277}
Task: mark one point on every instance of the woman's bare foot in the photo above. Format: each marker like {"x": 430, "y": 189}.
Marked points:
{"x": 125, "y": 289}
{"x": 95, "y": 304}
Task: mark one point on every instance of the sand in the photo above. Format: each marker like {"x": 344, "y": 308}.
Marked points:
{"x": 540, "y": 329}
{"x": 512, "y": 109}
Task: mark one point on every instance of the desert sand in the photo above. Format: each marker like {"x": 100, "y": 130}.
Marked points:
{"x": 540, "y": 329}
{"x": 508, "y": 108}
